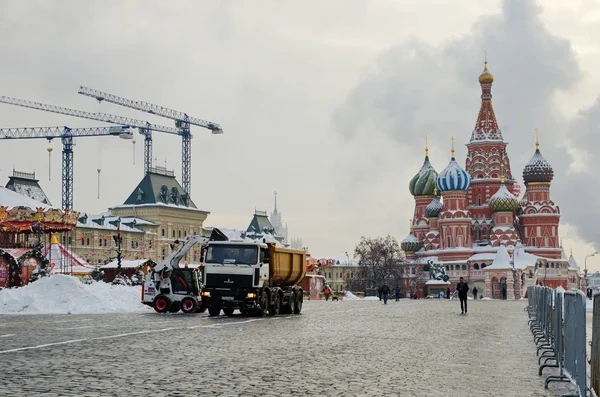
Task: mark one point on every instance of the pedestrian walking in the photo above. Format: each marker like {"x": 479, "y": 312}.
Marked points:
{"x": 385, "y": 291}
{"x": 475, "y": 291}
{"x": 327, "y": 292}
{"x": 503, "y": 291}
{"x": 448, "y": 293}
{"x": 462, "y": 288}
{"x": 379, "y": 293}
{"x": 397, "y": 291}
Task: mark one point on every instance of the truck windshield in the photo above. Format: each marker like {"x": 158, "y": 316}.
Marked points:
{"x": 237, "y": 254}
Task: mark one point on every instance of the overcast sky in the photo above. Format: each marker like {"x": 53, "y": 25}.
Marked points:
{"x": 325, "y": 102}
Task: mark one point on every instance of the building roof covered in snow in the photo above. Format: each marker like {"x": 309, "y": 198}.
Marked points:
{"x": 107, "y": 221}
{"x": 25, "y": 183}
{"x": 260, "y": 223}
{"x": 11, "y": 199}
{"x": 129, "y": 263}
{"x": 501, "y": 260}
{"x": 159, "y": 187}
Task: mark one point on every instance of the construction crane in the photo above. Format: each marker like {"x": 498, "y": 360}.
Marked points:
{"x": 182, "y": 122}
{"x": 66, "y": 136}
{"x": 143, "y": 127}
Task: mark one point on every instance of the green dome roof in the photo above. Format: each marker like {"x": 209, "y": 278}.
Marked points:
{"x": 503, "y": 201}
{"x": 423, "y": 183}
{"x": 411, "y": 243}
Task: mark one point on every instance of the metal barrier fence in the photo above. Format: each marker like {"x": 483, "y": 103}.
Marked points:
{"x": 557, "y": 321}
{"x": 595, "y": 356}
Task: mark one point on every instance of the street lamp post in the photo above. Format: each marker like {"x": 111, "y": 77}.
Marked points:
{"x": 585, "y": 272}
{"x": 118, "y": 240}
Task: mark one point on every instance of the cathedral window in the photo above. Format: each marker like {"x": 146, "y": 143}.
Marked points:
{"x": 464, "y": 266}
{"x": 476, "y": 266}
{"x": 448, "y": 241}
{"x": 173, "y": 233}
{"x": 479, "y": 199}
{"x": 163, "y": 232}
{"x": 483, "y": 266}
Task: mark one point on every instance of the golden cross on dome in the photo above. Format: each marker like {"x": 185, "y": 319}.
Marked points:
{"x": 435, "y": 191}
{"x": 452, "y": 139}
{"x": 410, "y": 225}
{"x": 537, "y": 139}
{"x": 502, "y": 172}
{"x": 426, "y": 147}
{"x": 485, "y": 55}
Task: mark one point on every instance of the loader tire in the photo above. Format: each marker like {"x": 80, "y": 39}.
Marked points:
{"x": 162, "y": 304}
{"x": 189, "y": 305}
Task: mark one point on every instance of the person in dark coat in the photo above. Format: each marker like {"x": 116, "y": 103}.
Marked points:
{"x": 448, "y": 293}
{"x": 462, "y": 288}
{"x": 475, "y": 292}
{"x": 397, "y": 291}
{"x": 385, "y": 291}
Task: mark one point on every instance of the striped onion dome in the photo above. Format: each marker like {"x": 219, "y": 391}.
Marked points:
{"x": 453, "y": 177}
{"x": 423, "y": 183}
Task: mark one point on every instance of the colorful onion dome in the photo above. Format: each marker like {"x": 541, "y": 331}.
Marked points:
{"x": 503, "y": 200}
{"x": 434, "y": 208}
{"x": 486, "y": 77}
{"x": 453, "y": 177}
{"x": 411, "y": 243}
{"x": 538, "y": 169}
{"x": 423, "y": 183}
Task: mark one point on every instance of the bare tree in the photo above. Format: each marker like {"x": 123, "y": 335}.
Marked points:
{"x": 379, "y": 260}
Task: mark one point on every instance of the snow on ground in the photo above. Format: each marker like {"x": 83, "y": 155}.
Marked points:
{"x": 350, "y": 296}
{"x": 61, "y": 294}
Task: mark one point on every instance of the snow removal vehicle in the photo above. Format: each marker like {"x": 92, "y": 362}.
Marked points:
{"x": 252, "y": 276}
{"x": 170, "y": 286}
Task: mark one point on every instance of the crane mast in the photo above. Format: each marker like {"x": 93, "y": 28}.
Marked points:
{"x": 182, "y": 122}
{"x": 66, "y": 136}
{"x": 144, "y": 127}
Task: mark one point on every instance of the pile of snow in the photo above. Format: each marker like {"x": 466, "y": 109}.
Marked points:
{"x": 61, "y": 294}
{"x": 371, "y": 298}
{"x": 350, "y": 296}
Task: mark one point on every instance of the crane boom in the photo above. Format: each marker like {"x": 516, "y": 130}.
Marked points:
{"x": 182, "y": 121}
{"x": 144, "y": 127}
{"x": 60, "y": 132}
{"x": 66, "y": 136}
{"x": 109, "y": 118}
{"x": 150, "y": 108}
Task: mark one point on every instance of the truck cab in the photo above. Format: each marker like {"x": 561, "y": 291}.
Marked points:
{"x": 233, "y": 272}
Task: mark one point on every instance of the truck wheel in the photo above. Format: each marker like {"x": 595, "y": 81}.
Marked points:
{"x": 292, "y": 303}
{"x": 189, "y": 305}
{"x": 275, "y": 306}
{"x": 175, "y": 306}
{"x": 299, "y": 300}
{"x": 161, "y": 304}
{"x": 214, "y": 311}
{"x": 264, "y": 304}
{"x": 228, "y": 311}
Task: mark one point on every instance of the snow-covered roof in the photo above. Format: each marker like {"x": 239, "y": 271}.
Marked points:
{"x": 129, "y": 263}
{"x": 174, "y": 206}
{"x": 486, "y": 256}
{"x": 108, "y": 218}
{"x": 573, "y": 263}
{"x": 437, "y": 282}
{"x": 243, "y": 236}
{"x": 11, "y": 199}
{"x": 501, "y": 261}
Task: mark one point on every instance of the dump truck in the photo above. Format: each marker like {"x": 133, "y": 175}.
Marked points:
{"x": 253, "y": 277}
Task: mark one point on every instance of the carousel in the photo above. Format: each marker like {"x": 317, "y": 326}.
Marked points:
{"x": 25, "y": 226}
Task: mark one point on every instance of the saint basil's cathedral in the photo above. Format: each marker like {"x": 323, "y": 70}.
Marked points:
{"x": 472, "y": 222}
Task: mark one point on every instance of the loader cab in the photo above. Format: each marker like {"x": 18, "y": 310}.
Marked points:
{"x": 186, "y": 281}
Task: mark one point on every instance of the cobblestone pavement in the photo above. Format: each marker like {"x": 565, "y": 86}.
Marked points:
{"x": 346, "y": 348}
